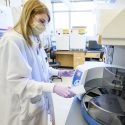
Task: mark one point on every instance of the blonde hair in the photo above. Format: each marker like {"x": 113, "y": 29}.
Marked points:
{"x": 30, "y": 9}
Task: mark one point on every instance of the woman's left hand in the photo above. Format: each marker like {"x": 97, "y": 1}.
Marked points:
{"x": 66, "y": 73}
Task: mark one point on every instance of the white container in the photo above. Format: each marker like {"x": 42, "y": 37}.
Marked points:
{"x": 77, "y": 39}
{"x": 62, "y": 39}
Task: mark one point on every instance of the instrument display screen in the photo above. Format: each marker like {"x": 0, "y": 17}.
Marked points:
{"x": 77, "y": 77}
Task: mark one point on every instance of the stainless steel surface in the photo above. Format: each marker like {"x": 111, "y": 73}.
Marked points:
{"x": 112, "y": 77}
{"x": 109, "y": 103}
{"x": 105, "y": 106}
{"x": 106, "y": 109}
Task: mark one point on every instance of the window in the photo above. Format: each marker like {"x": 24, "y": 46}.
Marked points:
{"x": 86, "y": 19}
{"x": 61, "y": 20}
{"x": 60, "y": 7}
{"x": 80, "y": 14}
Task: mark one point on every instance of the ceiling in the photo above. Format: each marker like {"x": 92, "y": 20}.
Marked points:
{"x": 68, "y": 1}
{"x": 58, "y": 1}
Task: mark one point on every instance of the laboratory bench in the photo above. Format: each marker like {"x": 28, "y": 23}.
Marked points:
{"x": 75, "y": 114}
{"x": 75, "y": 58}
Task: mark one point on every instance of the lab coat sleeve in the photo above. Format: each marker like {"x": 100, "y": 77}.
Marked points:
{"x": 53, "y": 72}
{"x": 19, "y": 74}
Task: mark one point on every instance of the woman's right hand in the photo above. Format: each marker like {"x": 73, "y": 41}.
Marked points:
{"x": 64, "y": 91}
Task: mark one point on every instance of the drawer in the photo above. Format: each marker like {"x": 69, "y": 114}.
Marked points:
{"x": 92, "y": 55}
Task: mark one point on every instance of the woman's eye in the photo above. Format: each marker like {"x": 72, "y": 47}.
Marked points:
{"x": 42, "y": 21}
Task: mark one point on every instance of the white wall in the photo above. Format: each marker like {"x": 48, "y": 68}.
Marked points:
{"x": 14, "y": 3}
{"x": 49, "y": 5}
{"x": 2, "y": 2}
{"x": 15, "y": 6}
{"x": 6, "y": 19}
{"x": 15, "y": 10}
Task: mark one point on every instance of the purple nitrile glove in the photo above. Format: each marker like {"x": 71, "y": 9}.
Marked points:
{"x": 66, "y": 73}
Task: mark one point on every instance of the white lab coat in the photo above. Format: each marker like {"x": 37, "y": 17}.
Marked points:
{"x": 24, "y": 81}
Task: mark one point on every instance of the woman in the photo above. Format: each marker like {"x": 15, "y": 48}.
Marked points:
{"x": 24, "y": 72}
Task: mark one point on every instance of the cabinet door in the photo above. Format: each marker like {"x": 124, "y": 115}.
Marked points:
{"x": 65, "y": 59}
{"x": 79, "y": 58}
